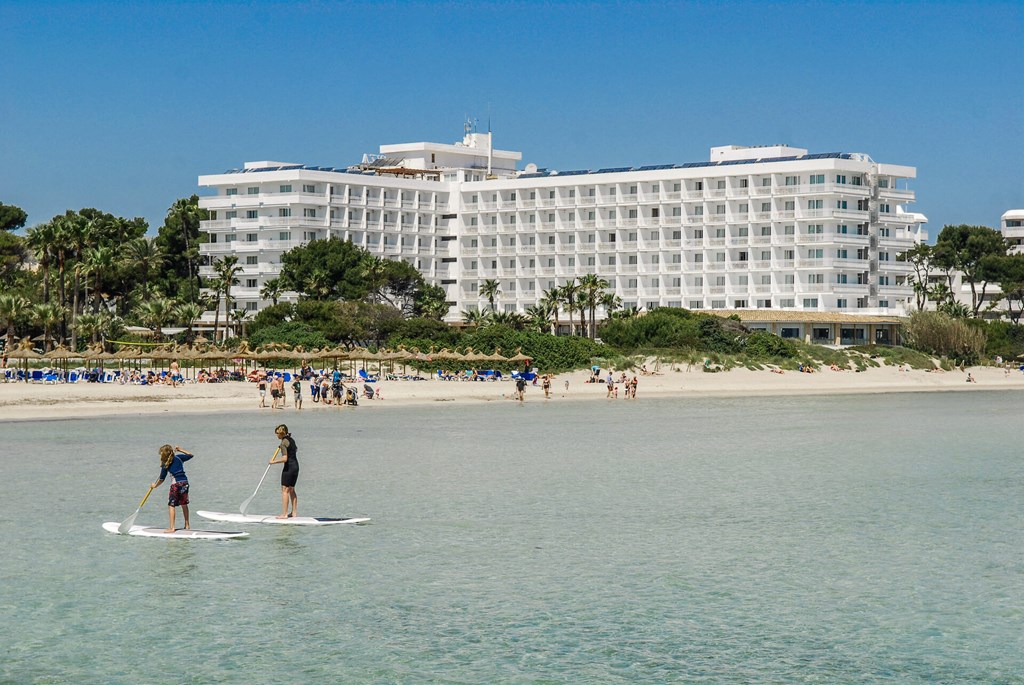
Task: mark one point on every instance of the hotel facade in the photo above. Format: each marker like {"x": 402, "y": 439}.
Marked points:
{"x": 752, "y": 228}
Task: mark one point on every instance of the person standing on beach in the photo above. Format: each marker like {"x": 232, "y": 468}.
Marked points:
{"x": 610, "y": 383}
{"x": 297, "y": 392}
{"x": 175, "y": 373}
{"x": 546, "y": 384}
{"x": 172, "y": 461}
{"x": 276, "y": 392}
{"x": 521, "y": 388}
{"x": 262, "y": 385}
{"x": 287, "y": 455}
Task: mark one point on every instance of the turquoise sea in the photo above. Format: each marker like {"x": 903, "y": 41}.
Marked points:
{"x": 787, "y": 540}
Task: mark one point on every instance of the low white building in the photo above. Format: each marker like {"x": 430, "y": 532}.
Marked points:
{"x": 752, "y": 228}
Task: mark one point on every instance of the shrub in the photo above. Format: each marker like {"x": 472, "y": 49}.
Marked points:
{"x": 940, "y": 334}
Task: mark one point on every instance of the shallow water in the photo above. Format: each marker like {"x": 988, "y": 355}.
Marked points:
{"x": 782, "y": 540}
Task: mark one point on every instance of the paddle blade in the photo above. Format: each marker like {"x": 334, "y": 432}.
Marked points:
{"x": 127, "y": 524}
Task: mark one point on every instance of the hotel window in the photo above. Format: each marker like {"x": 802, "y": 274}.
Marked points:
{"x": 572, "y": 192}
{"x": 251, "y": 237}
{"x": 590, "y": 261}
{"x": 572, "y": 261}
{"x": 632, "y": 214}
{"x": 551, "y": 240}
{"x": 253, "y": 191}
{"x": 855, "y": 181}
{"x": 308, "y": 189}
{"x": 655, "y": 259}
{"x": 766, "y": 255}
{"x": 230, "y": 238}
{"x": 632, "y": 190}
{"x": 655, "y": 282}
{"x": 744, "y": 231}
{"x": 766, "y": 279}
{"x": 590, "y": 238}
{"x": 718, "y": 304}
{"x": 551, "y": 195}
{"x": 884, "y": 209}
{"x": 788, "y": 229}
{"x": 677, "y": 211}
{"x": 288, "y": 189}
{"x": 227, "y": 215}
{"x": 740, "y": 304}
{"x": 787, "y": 302}
{"x": 309, "y": 212}
{"x": 789, "y": 206}
{"x": 840, "y": 178}
{"x": 698, "y": 211}
{"x": 841, "y": 303}
{"x": 743, "y": 256}
{"x": 744, "y": 183}
{"x": 698, "y": 185}
{"x": 611, "y": 215}
{"x": 677, "y": 259}
{"x": 883, "y": 303}
{"x": 720, "y": 185}
{"x": 551, "y": 263}
{"x": 883, "y": 280}
{"x": 720, "y": 257}
{"x": 572, "y": 240}
{"x": 494, "y": 221}
{"x": 231, "y": 191}
{"x": 696, "y": 304}
{"x": 284, "y": 211}
{"x": 817, "y": 178}
{"x": 250, "y": 283}
{"x": 792, "y": 180}
{"x": 612, "y": 191}
{"x": 698, "y": 234}
{"x": 840, "y": 204}
{"x": 744, "y": 208}
{"x": 810, "y": 302}
{"x": 816, "y": 253}
{"x": 788, "y": 254}
{"x": 766, "y": 230}
{"x": 512, "y": 241}
{"x": 655, "y": 212}
{"x": 611, "y": 260}
{"x": 719, "y": 232}
{"x": 813, "y": 229}
{"x": 590, "y": 192}
{"x": 533, "y": 194}
{"x": 631, "y": 259}
{"x": 841, "y": 278}
{"x": 743, "y": 280}
{"x": 698, "y": 258}
{"x": 815, "y": 204}
{"x": 719, "y": 209}
{"x": 512, "y": 196}
{"x": 766, "y": 206}
{"x": 284, "y": 235}
{"x": 572, "y": 216}
{"x": 676, "y": 187}
{"x": 631, "y": 283}
{"x": 816, "y": 278}
{"x": 251, "y": 306}
{"x": 841, "y": 254}
{"x": 766, "y": 182}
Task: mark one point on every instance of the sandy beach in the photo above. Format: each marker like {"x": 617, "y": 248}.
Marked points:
{"x": 31, "y": 401}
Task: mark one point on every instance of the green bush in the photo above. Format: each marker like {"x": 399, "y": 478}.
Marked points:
{"x": 762, "y": 345}
{"x": 940, "y": 334}
{"x": 292, "y": 333}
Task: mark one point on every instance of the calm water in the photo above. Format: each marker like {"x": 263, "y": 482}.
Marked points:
{"x": 819, "y": 540}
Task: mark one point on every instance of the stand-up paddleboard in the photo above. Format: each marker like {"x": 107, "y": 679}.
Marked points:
{"x": 263, "y": 518}
{"x": 180, "y": 534}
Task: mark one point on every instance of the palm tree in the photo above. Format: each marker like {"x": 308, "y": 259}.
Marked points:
{"x": 540, "y": 316}
{"x": 12, "y": 308}
{"x": 490, "y": 289}
{"x": 552, "y": 299}
{"x": 215, "y": 287}
{"x": 239, "y": 316}
{"x": 146, "y": 255}
{"x": 272, "y": 290}
{"x": 473, "y": 317}
{"x": 156, "y": 312}
{"x": 188, "y": 214}
{"x": 187, "y": 313}
{"x": 92, "y": 325}
{"x": 592, "y": 287}
{"x": 610, "y": 301}
{"x": 40, "y": 239}
{"x": 318, "y": 284}
{"x": 47, "y": 315}
{"x": 570, "y": 292}
{"x": 227, "y": 268}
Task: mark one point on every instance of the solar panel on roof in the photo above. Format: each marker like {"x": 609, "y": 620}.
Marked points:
{"x": 614, "y": 170}
{"x": 655, "y": 167}
{"x": 577, "y": 172}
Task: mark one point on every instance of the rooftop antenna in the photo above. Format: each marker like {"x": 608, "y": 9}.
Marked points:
{"x": 490, "y": 142}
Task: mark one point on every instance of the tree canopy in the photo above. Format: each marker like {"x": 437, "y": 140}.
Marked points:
{"x": 11, "y": 218}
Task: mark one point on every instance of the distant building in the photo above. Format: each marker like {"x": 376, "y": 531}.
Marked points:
{"x": 752, "y": 228}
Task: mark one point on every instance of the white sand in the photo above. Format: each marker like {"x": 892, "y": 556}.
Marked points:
{"x": 26, "y": 401}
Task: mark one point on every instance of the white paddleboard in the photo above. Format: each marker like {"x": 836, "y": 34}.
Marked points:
{"x": 265, "y": 518}
{"x": 180, "y": 534}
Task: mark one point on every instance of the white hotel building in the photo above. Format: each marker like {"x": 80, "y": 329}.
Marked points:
{"x": 752, "y": 228}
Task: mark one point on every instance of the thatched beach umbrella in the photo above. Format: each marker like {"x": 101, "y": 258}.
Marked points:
{"x": 24, "y": 352}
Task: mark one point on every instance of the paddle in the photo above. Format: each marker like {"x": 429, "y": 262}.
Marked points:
{"x": 246, "y": 503}
{"x": 127, "y": 524}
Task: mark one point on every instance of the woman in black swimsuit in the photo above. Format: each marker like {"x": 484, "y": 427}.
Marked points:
{"x": 286, "y": 454}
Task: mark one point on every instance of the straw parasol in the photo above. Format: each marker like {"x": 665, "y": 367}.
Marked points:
{"x": 61, "y": 352}
{"x": 519, "y": 356}
{"x": 24, "y": 351}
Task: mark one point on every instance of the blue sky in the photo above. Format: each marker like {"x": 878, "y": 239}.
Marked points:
{"x": 120, "y": 106}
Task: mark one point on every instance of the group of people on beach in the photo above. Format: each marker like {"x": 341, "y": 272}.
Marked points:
{"x": 628, "y": 386}
{"x": 172, "y": 463}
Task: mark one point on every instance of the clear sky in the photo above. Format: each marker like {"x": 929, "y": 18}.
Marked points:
{"x": 121, "y": 105}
